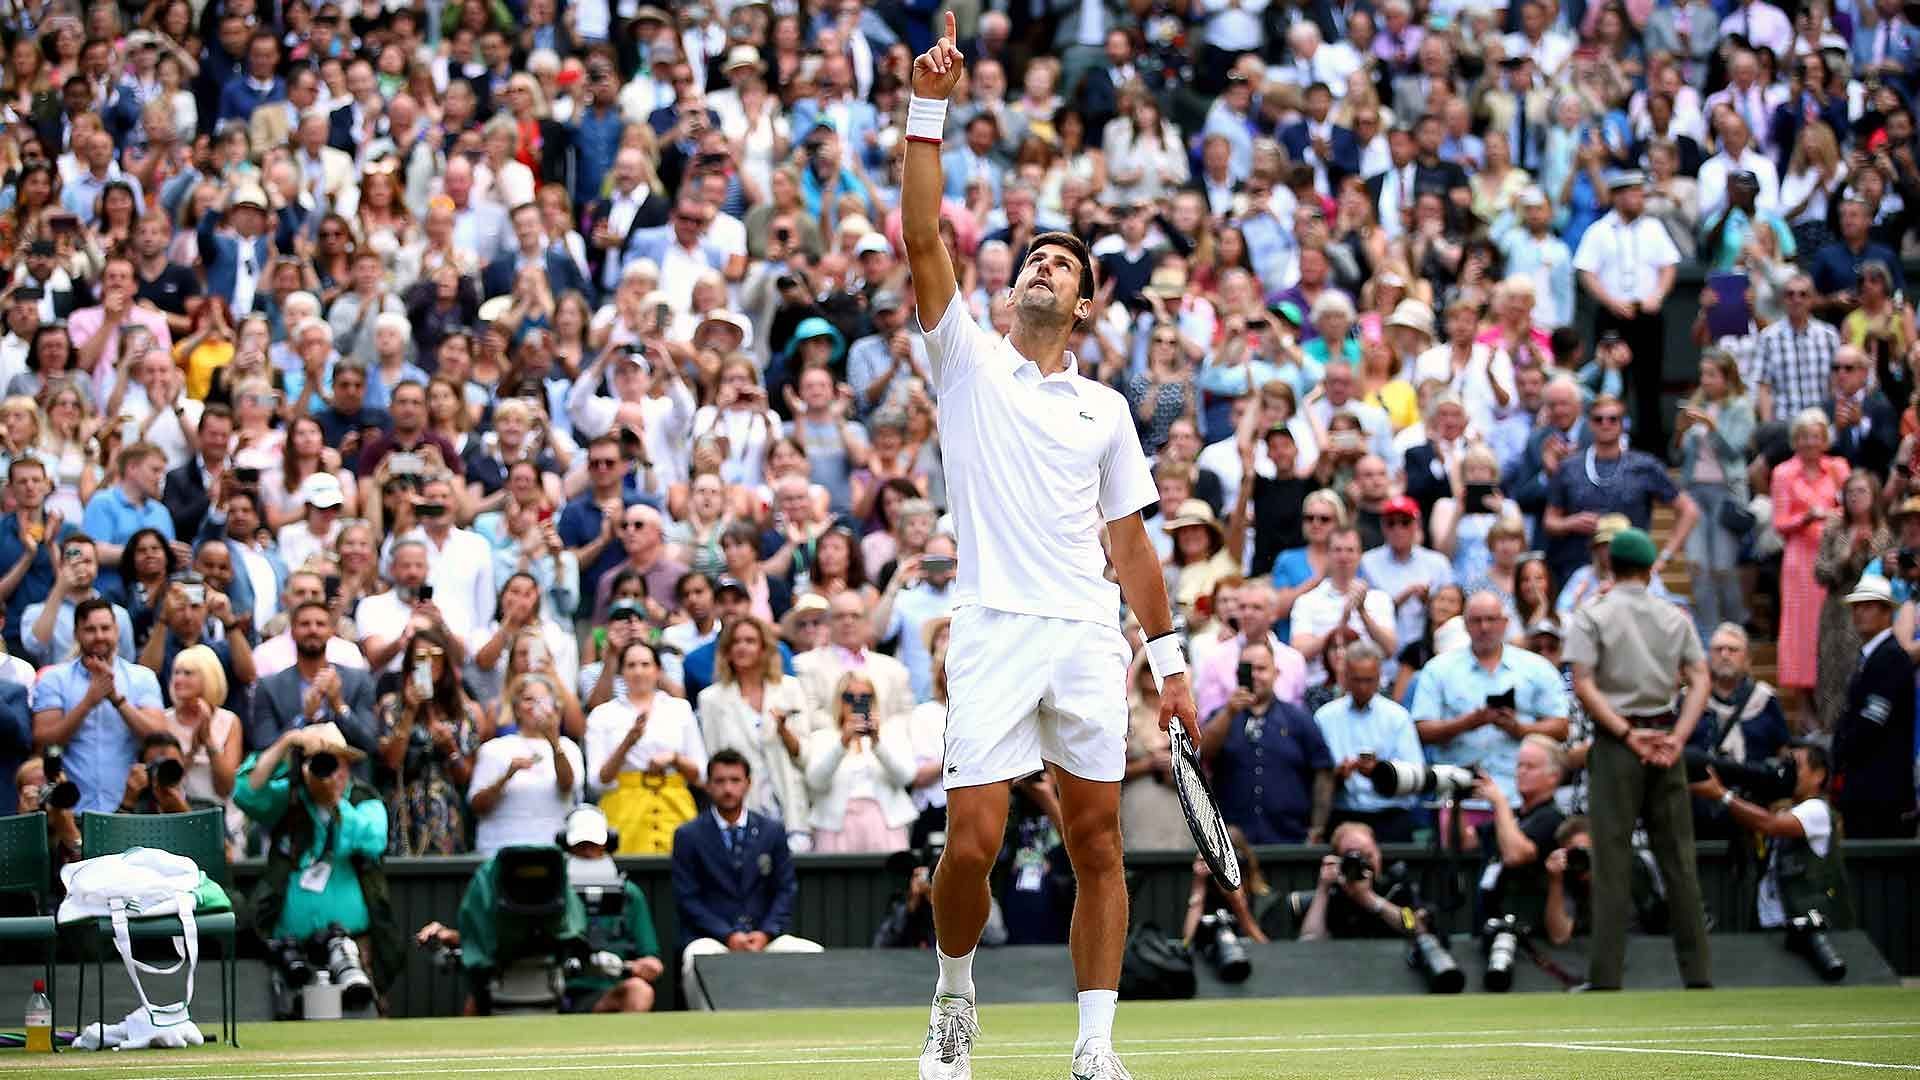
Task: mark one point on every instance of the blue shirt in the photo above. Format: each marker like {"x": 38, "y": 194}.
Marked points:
{"x": 596, "y": 135}
{"x": 1383, "y": 729}
{"x": 1835, "y": 268}
{"x": 1291, "y": 570}
{"x": 1392, "y": 576}
{"x": 112, "y": 518}
{"x": 1264, "y": 773}
{"x": 37, "y": 582}
{"x": 912, "y": 609}
{"x": 60, "y": 647}
{"x": 1454, "y": 683}
{"x": 1629, "y": 484}
{"x": 579, "y": 525}
{"x": 103, "y": 748}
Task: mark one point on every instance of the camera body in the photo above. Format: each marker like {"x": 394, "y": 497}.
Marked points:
{"x": 328, "y": 958}
{"x": 1579, "y": 861}
{"x": 1759, "y": 781}
{"x": 1807, "y": 935}
{"x": 1219, "y": 943}
{"x": 165, "y": 772}
{"x": 58, "y": 793}
{"x": 1355, "y": 867}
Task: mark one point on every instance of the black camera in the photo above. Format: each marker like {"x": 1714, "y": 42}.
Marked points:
{"x": 1908, "y": 560}
{"x": 59, "y": 793}
{"x": 289, "y": 955}
{"x": 165, "y": 773}
{"x": 323, "y": 764}
{"x": 1759, "y": 781}
{"x": 1355, "y": 867}
{"x": 246, "y": 475}
{"x": 1807, "y": 935}
{"x": 1579, "y": 861}
{"x": 1444, "y": 782}
{"x": 1219, "y": 943}
{"x": 1502, "y": 937}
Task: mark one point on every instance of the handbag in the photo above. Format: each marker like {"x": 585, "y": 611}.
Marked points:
{"x": 1154, "y": 967}
{"x": 1736, "y": 517}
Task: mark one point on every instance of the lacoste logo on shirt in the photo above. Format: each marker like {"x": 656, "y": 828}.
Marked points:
{"x": 953, "y": 770}
{"x": 1085, "y": 415}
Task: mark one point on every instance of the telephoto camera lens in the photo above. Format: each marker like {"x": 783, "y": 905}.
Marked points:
{"x": 1579, "y": 860}
{"x": 343, "y": 963}
{"x": 165, "y": 773}
{"x": 292, "y": 958}
{"x": 1392, "y": 778}
{"x": 1431, "y": 958}
{"x": 1503, "y": 941}
{"x": 1807, "y": 935}
{"x": 1221, "y": 946}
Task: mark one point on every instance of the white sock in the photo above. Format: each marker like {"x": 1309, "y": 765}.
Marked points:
{"x": 1096, "y": 1018}
{"x": 956, "y": 974}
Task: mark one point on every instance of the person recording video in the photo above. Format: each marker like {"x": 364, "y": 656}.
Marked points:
{"x": 1345, "y": 903}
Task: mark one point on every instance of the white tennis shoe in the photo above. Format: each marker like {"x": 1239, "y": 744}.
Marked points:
{"x": 948, "y": 1052}
{"x": 1099, "y": 1062}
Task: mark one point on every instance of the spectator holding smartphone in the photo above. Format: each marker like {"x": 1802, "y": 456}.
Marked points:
{"x": 857, "y": 774}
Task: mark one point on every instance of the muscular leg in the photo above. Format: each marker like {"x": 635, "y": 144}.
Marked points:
{"x": 1090, "y": 812}
{"x": 976, "y": 824}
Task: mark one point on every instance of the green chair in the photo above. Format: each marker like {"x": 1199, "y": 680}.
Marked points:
{"x": 26, "y": 866}
{"x": 199, "y": 835}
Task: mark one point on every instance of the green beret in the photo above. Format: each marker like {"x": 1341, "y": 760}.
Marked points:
{"x": 1632, "y": 547}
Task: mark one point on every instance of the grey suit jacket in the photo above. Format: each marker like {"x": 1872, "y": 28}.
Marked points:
{"x": 276, "y": 710}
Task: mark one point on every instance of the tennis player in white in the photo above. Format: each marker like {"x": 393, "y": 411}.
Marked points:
{"x": 1037, "y": 460}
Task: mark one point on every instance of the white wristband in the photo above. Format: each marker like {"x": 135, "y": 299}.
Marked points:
{"x": 926, "y": 119}
{"x": 1165, "y": 656}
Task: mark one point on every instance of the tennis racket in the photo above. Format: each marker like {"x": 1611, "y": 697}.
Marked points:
{"x": 1203, "y": 812}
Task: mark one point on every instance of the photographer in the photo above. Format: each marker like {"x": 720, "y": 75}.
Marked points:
{"x": 324, "y": 889}
{"x": 1569, "y": 906}
{"x": 1806, "y": 870}
{"x": 1345, "y": 904}
{"x": 156, "y": 783}
{"x": 909, "y": 920}
{"x": 1517, "y": 842}
{"x": 624, "y": 928}
{"x": 1270, "y": 764}
{"x": 43, "y": 786}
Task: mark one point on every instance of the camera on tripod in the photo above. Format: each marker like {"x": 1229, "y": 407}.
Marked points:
{"x": 1502, "y": 937}
{"x": 1219, "y": 943}
{"x": 1807, "y": 935}
{"x": 306, "y": 990}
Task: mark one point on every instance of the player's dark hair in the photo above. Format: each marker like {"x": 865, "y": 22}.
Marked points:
{"x": 1074, "y": 245}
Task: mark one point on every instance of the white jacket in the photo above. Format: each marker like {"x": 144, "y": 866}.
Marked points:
{"x": 832, "y": 772}
{"x": 728, "y": 722}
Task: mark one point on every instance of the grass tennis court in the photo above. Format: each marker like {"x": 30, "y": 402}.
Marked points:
{"x": 1744, "y": 1033}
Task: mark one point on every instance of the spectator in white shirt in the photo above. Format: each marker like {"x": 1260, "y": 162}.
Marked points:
{"x": 1342, "y": 599}
{"x": 524, "y": 783}
{"x": 459, "y": 561}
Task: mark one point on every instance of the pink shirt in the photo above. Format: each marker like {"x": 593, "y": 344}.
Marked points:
{"x": 83, "y": 324}
{"x": 1216, "y": 676}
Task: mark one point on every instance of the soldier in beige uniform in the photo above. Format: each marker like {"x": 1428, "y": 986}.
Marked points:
{"x": 1630, "y": 654}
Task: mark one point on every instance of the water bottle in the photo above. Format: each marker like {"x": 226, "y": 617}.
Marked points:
{"x": 39, "y": 1019}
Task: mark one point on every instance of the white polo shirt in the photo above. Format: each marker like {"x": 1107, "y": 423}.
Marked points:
{"x": 1034, "y": 466}
{"x": 1626, "y": 257}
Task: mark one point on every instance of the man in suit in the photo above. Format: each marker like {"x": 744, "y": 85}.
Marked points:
{"x": 1527, "y": 480}
{"x": 1412, "y": 93}
{"x": 682, "y": 241}
{"x": 347, "y": 125}
{"x": 531, "y": 246}
{"x": 1331, "y": 149}
{"x": 819, "y": 670}
{"x": 974, "y": 159}
{"x": 190, "y": 488}
{"x": 1099, "y": 95}
{"x": 329, "y": 173}
{"x": 1866, "y": 429}
{"x": 313, "y": 691}
{"x": 273, "y": 124}
{"x": 236, "y": 260}
{"x": 259, "y": 86}
{"x": 1889, "y": 46}
{"x": 613, "y": 224}
{"x": 1873, "y": 737}
{"x": 733, "y": 878}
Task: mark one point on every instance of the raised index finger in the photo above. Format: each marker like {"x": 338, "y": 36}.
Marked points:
{"x": 953, "y": 34}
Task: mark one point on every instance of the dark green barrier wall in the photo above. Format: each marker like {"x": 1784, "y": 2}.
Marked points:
{"x": 842, "y": 898}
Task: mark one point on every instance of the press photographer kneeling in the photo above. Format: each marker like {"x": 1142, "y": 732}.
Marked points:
{"x": 1513, "y": 887}
{"x": 1344, "y": 903}
{"x": 322, "y": 904}
{"x": 1804, "y": 889}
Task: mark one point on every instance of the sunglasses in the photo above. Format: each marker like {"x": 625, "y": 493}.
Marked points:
{"x": 603, "y": 463}
{"x": 625, "y": 525}
{"x": 1317, "y": 517}
{"x": 1608, "y": 419}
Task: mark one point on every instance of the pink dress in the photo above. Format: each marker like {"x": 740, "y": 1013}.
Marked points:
{"x": 1795, "y": 492}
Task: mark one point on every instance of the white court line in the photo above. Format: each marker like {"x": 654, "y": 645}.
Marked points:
{"x": 1725, "y": 1054}
{"x": 1131, "y": 1053}
{"x": 560, "y": 1054}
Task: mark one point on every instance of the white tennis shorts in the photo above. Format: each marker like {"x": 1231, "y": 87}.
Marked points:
{"x": 1025, "y": 689}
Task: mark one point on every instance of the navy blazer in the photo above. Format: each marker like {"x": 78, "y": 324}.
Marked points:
{"x": 16, "y": 736}
{"x": 1873, "y": 743}
{"x": 276, "y": 709}
{"x": 562, "y": 276}
{"x": 719, "y": 893}
{"x": 220, "y": 255}
{"x": 1346, "y": 150}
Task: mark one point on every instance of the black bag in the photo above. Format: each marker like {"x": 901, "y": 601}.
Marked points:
{"x": 1155, "y": 968}
{"x": 1736, "y": 518}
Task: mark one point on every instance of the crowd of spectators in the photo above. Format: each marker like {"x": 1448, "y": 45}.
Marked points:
{"x": 533, "y": 391}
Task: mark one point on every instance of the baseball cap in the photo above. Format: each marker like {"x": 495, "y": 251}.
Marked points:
{"x": 726, "y": 584}
{"x": 1402, "y": 505}
{"x": 885, "y": 300}
{"x": 587, "y": 824}
{"x": 626, "y": 606}
{"x": 322, "y": 490}
{"x": 873, "y": 244}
